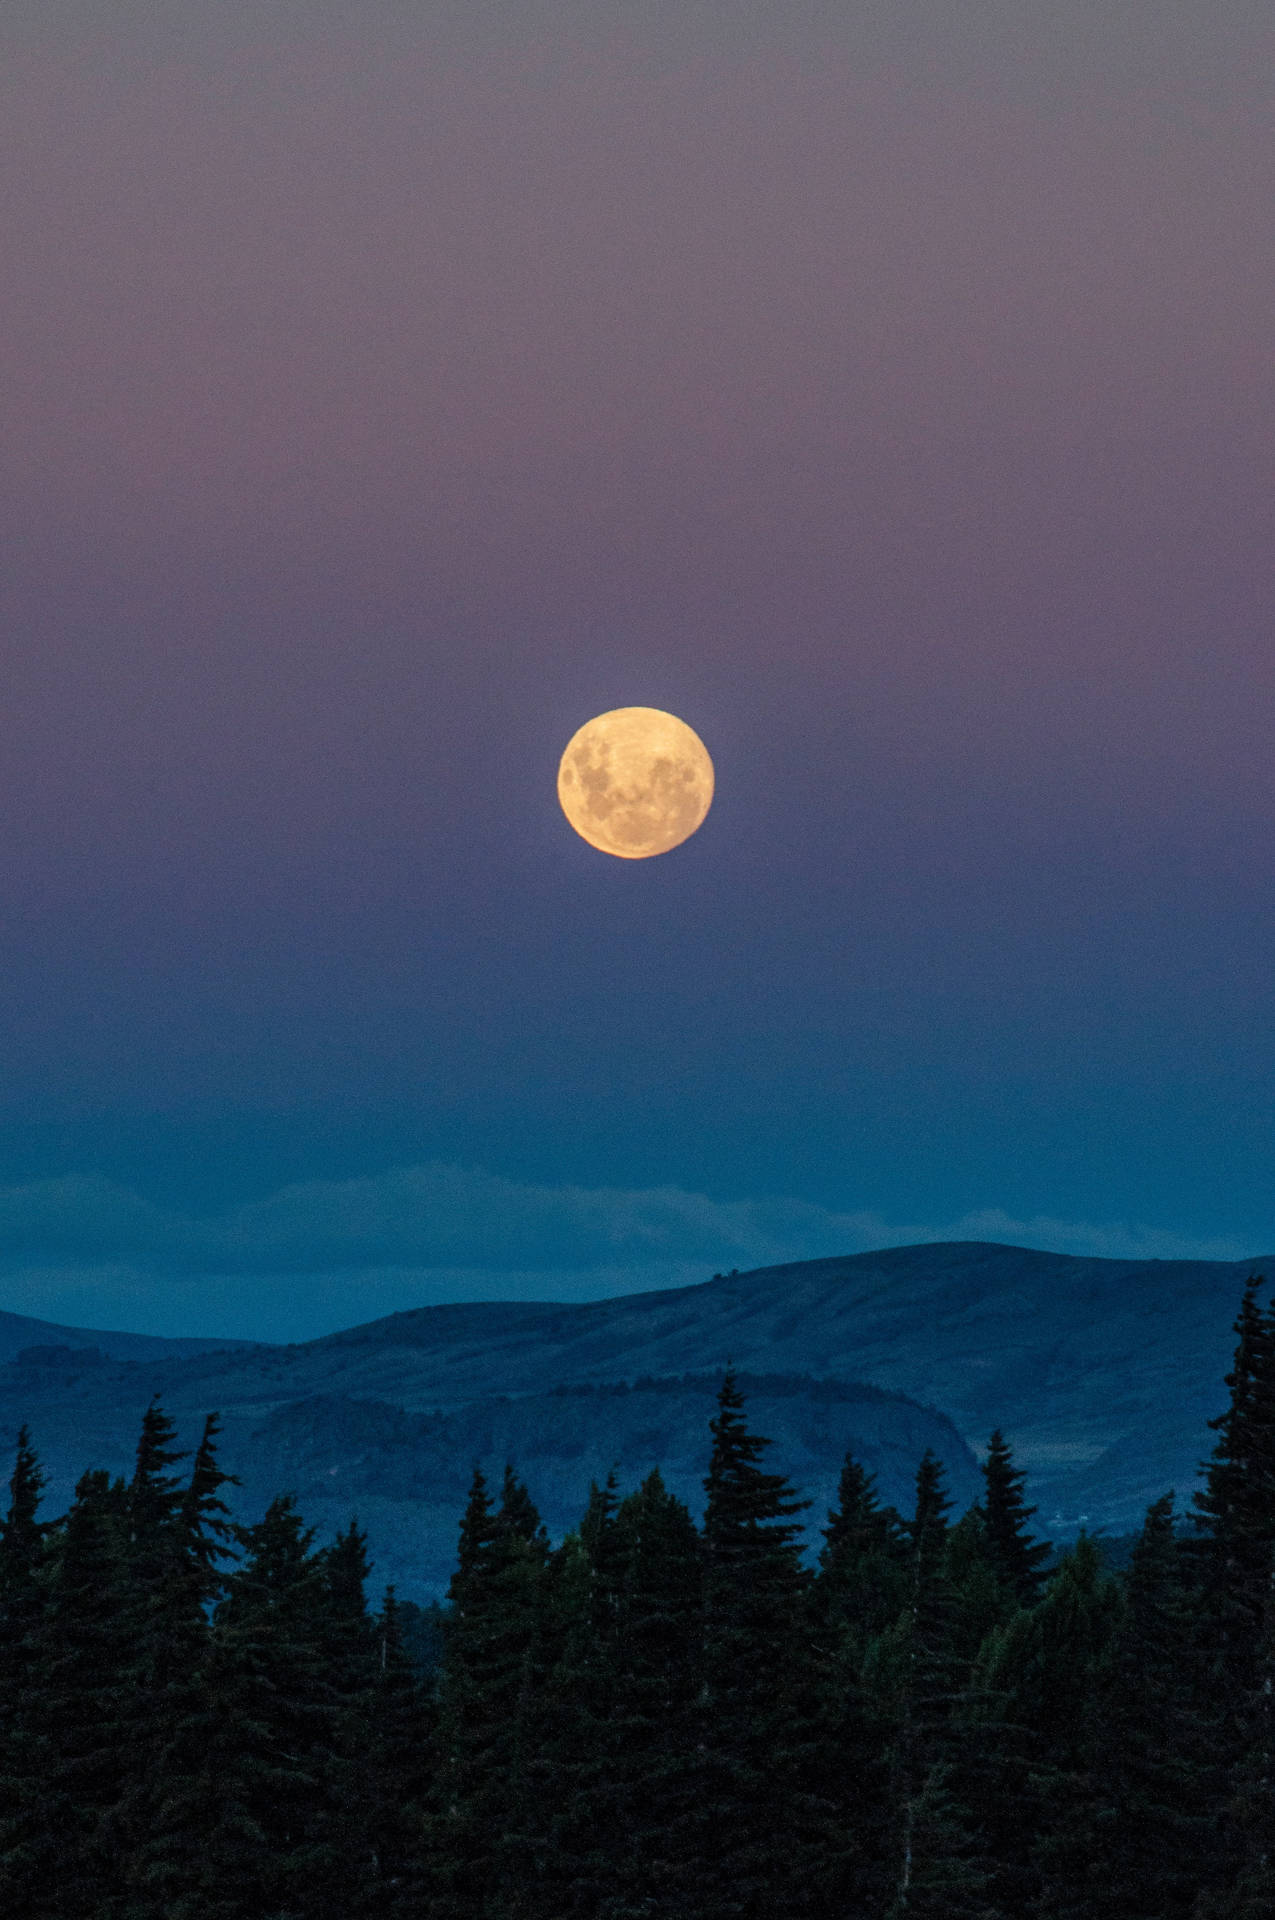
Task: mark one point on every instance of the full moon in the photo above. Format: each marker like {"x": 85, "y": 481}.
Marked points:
{"x": 635, "y": 781}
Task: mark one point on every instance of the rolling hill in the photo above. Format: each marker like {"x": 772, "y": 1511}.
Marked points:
{"x": 1102, "y": 1374}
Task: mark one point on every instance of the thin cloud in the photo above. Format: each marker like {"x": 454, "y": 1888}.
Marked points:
{"x": 441, "y": 1217}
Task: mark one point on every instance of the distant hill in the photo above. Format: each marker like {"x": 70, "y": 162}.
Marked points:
{"x": 18, "y": 1332}
{"x": 1103, "y": 1375}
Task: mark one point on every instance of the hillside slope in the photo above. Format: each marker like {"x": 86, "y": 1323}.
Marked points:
{"x": 1103, "y": 1375}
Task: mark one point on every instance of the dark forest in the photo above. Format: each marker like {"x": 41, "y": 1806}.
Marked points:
{"x": 653, "y": 1720}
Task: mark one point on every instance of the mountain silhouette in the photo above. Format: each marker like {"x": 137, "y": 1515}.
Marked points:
{"x": 1102, "y": 1374}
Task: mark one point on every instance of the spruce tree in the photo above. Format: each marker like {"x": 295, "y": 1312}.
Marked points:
{"x": 348, "y": 1650}
{"x": 1248, "y": 1892}
{"x": 567, "y": 1727}
{"x": 916, "y": 1672}
{"x": 980, "y": 1598}
{"x": 864, "y": 1573}
{"x": 1016, "y": 1559}
{"x": 1035, "y": 1698}
{"x": 1142, "y": 1844}
{"x": 765, "y": 1819}
{"x": 167, "y": 1634}
{"x": 260, "y": 1818}
{"x": 1233, "y": 1559}
{"x": 860, "y": 1589}
{"x": 399, "y": 1768}
{"x": 85, "y": 1667}
{"x": 480, "y": 1819}
{"x": 23, "y": 1749}
{"x": 181, "y": 1544}
{"x": 656, "y": 1659}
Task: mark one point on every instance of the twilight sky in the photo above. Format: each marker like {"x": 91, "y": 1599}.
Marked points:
{"x": 390, "y": 388}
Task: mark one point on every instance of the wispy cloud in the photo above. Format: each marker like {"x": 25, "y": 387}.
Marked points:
{"x": 319, "y": 1255}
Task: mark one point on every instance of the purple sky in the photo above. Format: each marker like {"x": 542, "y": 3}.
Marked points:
{"x": 389, "y": 389}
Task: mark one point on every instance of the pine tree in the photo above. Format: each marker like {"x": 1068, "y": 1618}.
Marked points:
{"x": 864, "y": 1573}
{"x": 1142, "y": 1842}
{"x": 23, "y": 1750}
{"x": 1249, "y": 1892}
{"x": 1035, "y": 1696}
{"x": 656, "y": 1658}
{"x": 567, "y": 1729}
{"x": 167, "y": 1818}
{"x": 260, "y": 1817}
{"x": 85, "y": 1664}
{"x": 1017, "y": 1561}
{"x": 349, "y": 1653}
{"x": 481, "y": 1826}
{"x": 205, "y": 1517}
{"x": 399, "y": 1769}
{"x": 166, "y": 1633}
{"x": 1233, "y": 1557}
{"x": 915, "y": 1670}
{"x": 860, "y": 1589}
{"x": 765, "y": 1822}
{"x": 980, "y": 1599}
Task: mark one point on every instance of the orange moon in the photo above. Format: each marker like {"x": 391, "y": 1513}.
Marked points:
{"x": 635, "y": 782}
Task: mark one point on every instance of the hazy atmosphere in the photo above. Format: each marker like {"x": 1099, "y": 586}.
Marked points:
{"x": 388, "y": 391}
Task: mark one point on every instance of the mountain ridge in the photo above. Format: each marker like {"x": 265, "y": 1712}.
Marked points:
{"x": 1102, "y": 1375}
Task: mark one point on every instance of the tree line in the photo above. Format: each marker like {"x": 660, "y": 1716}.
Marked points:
{"x": 653, "y": 1720}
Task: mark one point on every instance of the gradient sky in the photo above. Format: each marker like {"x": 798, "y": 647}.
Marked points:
{"x": 390, "y": 388}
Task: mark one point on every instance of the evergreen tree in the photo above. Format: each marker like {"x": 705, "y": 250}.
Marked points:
{"x": 563, "y": 1747}
{"x": 864, "y": 1573}
{"x": 481, "y": 1828}
{"x": 1034, "y": 1699}
{"x": 1017, "y": 1561}
{"x": 859, "y": 1590}
{"x": 655, "y": 1655}
{"x": 260, "y": 1819}
{"x": 765, "y": 1820}
{"x": 1232, "y": 1558}
{"x": 23, "y": 1753}
{"x": 205, "y": 1517}
{"x": 399, "y": 1767}
{"x": 980, "y": 1598}
{"x": 182, "y": 1541}
{"x": 1248, "y": 1892}
{"x": 1141, "y": 1843}
{"x": 567, "y": 1733}
{"x": 166, "y": 1629}
{"x": 916, "y": 1671}
{"x": 349, "y": 1652}
{"x": 85, "y": 1663}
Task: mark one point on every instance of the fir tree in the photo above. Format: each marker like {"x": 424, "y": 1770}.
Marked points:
{"x": 23, "y": 1749}
{"x": 1035, "y": 1694}
{"x": 205, "y": 1518}
{"x": 169, "y": 1827}
{"x": 567, "y": 1732}
{"x": 864, "y": 1573}
{"x": 1141, "y": 1846}
{"x": 765, "y": 1821}
{"x": 915, "y": 1669}
{"x": 481, "y": 1827}
{"x": 399, "y": 1768}
{"x": 1233, "y": 1562}
{"x": 349, "y": 1653}
{"x": 86, "y": 1665}
{"x": 259, "y": 1818}
{"x": 860, "y": 1588}
{"x": 980, "y": 1598}
{"x": 1016, "y": 1560}
{"x": 656, "y": 1659}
